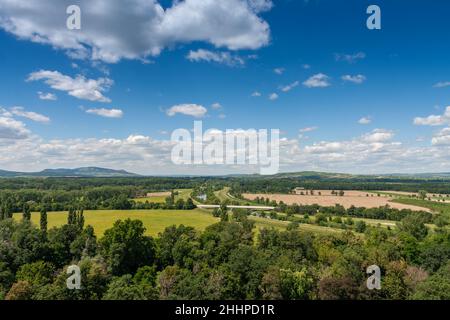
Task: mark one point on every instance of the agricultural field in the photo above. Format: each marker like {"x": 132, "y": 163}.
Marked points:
{"x": 160, "y": 197}
{"x": 154, "y": 220}
{"x": 355, "y": 198}
{"x": 261, "y": 223}
{"x": 157, "y": 220}
{"x": 402, "y": 194}
{"x": 183, "y": 194}
{"x": 370, "y": 222}
{"x": 433, "y": 206}
{"x": 222, "y": 195}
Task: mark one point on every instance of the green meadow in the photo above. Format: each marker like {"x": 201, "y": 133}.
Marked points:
{"x": 154, "y": 220}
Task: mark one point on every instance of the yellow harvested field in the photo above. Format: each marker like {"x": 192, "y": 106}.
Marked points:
{"x": 158, "y": 194}
{"x": 356, "y": 198}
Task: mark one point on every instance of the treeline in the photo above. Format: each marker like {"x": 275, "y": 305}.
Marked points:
{"x": 222, "y": 262}
{"x": 286, "y": 185}
{"x": 98, "y": 198}
{"x": 149, "y": 184}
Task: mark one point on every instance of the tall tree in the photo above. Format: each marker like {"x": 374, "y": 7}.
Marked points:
{"x": 80, "y": 219}
{"x": 26, "y": 212}
{"x": 44, "y": 219}
{"x": 126, "y": 247}
{"x": 422, "y": 194}
{"x": 71, "y": 216}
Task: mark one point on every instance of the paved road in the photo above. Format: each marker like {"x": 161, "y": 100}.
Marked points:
{"x": 214, "y": 206}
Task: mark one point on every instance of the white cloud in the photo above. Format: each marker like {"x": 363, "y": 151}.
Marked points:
{"x": 290, "y": 86}
{"x": 79, "y": 87}
{"x": 21, "y": 112}
{"x": 273, "y": 96}
{"x": 107, "y": 113}
{"x": 442, "y": 84}
{"x": 12, "y": 129}
{"x": 325, "y": 147}
{"x": 442, "y": 137}
{"x": 358, "y": 79}
{"x": 193, "y": 110}
{"x": 350, "y": 58}
{"x": 216, "y": 106}
{"x": 218, "y": 57}
{"x": 256, "y": 94}
{"x": 434, "y": 120}
{"x": 260, "y": 5}
{"x": 378, "y": 135}
{"x": 369, "y": 153}
{"x": 306, "y": 66}
{"x": 365, "y": 120}
{"x": 279, "y": 71}
{"x": 47, "y": 96}
{"x": 308, "y": 129}
{"x": 319, "y": 80}
{"x": 112, "y": 31}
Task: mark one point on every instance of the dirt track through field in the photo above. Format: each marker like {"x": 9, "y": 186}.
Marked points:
{"x": 356, "y": 198}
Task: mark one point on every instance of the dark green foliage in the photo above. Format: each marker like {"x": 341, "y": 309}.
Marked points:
{"x": 126, "y": 248}
{"x": 43, "y": 220}
{"x": 26, "y": 212}
{"x": 436, "y": 287}
{"x": 414, "y": 224}
{"x": 127, "y": 288}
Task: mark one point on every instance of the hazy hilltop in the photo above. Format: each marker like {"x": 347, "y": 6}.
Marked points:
{"x": 77, "y": 172}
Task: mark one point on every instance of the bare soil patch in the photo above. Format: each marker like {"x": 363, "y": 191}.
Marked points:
{"x": 355, "y": 198}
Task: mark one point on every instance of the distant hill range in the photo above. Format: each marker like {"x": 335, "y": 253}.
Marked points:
{"x": 313, "y": 175}
{"x": 77, "y": 172}
{"x": 326, "y": 175}
{"x": 303, "y": 175}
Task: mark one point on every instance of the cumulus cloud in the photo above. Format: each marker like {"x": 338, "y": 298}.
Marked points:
{"x": 256, "y": 94}
{"x": 290, "y": 86}
{"x": 434, "y": 120}
{"x": 365, "y": 120}
{"x": 193, "y": 110}
{"x": 78, "y": 87}
{"x": 279, "y": 71}
{"x": 442, "y": 137}
{"x": 350, "y": 58}
{"x": 107, "y": 113}
{"x": 47, "y": 96}
{"x": 216, "y": 106}
{"x": 112, "y": 30}
{"x": 324, "y": 147}
{"x": 218, "y": 57}
{"x": 21, "y": 112}
{"x": 12, "y": 129}
{"x": 273, "y": 96}
{"x": 319, "y": 80}
{"x": 378, "y": 135}
{"x": 260, "y": 5}
{"x": 358, "y": 79}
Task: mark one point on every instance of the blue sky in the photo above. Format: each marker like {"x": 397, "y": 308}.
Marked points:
{"x": 354, "y": 100}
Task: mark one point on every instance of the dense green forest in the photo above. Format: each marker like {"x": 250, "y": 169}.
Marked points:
{"x": 225, "y": 261}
